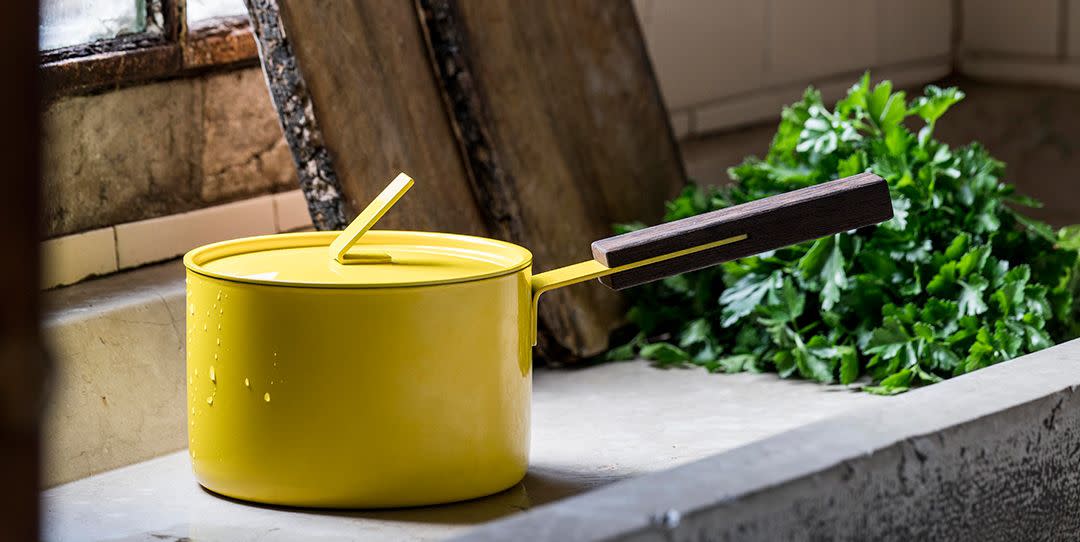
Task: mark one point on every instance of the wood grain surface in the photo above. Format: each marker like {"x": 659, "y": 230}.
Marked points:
{"x": 563, "y": 132}
{"x": 292, "y": 100}
{"x": 532, "y": 122}
{"x": 380, "y": 112}
{"x": 770, "y": 223}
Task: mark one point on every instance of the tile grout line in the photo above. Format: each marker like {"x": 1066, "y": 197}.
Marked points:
{"x": 847, "y": 75}
{"x": 910, "y": 75}
{"x": 1063, "y": 30}
{"x": 116, "y": 249}
{"x": 1015, "y": 71}
{"x": 117, "y": 264}
{"x": 766, "y": 46}
{"x": 277, "y": 214}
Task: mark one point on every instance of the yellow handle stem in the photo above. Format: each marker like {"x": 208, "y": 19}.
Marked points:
{"x": 366, "y": 219}
{"x": 591, "y": 269}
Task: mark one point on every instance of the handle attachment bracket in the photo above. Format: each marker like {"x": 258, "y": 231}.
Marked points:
{"x": 592, "y": 269}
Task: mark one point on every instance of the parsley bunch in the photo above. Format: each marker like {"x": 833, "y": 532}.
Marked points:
{"x": 956, "y": 281}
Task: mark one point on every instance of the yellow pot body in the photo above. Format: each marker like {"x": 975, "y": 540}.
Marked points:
{"x": 359, "y": 397}
{"x": 365, "y": 369}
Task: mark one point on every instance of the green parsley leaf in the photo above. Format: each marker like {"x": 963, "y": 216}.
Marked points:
{"x": 956, "y": 281}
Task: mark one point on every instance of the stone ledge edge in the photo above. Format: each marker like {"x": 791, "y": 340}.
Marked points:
{"x": 958, "y": 459}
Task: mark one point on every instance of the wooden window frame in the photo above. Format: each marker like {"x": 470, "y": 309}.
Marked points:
{"x": 166, "y": 49}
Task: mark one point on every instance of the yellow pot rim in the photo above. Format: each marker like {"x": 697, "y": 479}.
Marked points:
{"x": 504, "y": 258}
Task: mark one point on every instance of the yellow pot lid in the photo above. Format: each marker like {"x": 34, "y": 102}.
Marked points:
{"x": 379, "y": 259}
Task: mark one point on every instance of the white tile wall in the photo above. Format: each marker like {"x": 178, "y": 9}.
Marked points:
{"x": 765, "y": 106}
{"x": 72, "y": 258}
{"x": 913, "y": 29}
{"x": 809, "y": 39}
{"x": 914, "y": 76}
{"x": 1022, "y": 42}
{"x": 1049, "y": 72}
{"x": 69, "y": 259}
{"x": 644, "y": 10}
{"x": 705, "y": 49}
{"x": 291, "y": 211}
{"x": 680, "y": 123}
{"x": 726, "y": 63}
{"x": 1073, "y": 39}
{"x": 1011, "y": 26}
{"x": 166, "y": 237}
{"x": 749, "y": 109}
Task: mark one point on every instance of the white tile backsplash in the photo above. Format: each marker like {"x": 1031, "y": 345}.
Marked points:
{"x": 913, "y": 30}
{"x": 702, "y": 50}
{"x": 157, "y": 239}
{"x": 680, "y": 124}
{"x": 1022, "y": 71}
{"x": 69, "y": 259}
{"x": 765, "y": 106}
{"x": 1072, "y": 42}
{"x": 291, "y": 211}
{"x": 727, "y": 63}
{"x": 1011, "y": 26}
{"x": 814, "y": 39}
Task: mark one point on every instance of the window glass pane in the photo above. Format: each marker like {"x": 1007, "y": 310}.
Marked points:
{"x": 198, "y": 10}
{"x": 71, "y": 22}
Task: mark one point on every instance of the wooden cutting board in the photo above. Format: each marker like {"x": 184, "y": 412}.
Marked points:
{"x": 534, "y": 122}
{"x": 557, "y": 110}
{"x": 364, "y": 68}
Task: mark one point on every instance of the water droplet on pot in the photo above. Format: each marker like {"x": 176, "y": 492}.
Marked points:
{"x": 247, "y": 383}
{"x": 266, "y": 397}
{"x": 210, "y": 400}
{"x": 213, "y": 375}
{"x": 193, "y": 309}
{"x": 219, "y": 341}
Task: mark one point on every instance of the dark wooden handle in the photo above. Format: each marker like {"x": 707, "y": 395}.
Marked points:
{"x": 769, "y": 223}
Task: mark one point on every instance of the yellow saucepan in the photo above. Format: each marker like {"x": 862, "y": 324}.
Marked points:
{"x": 369, "y": 369}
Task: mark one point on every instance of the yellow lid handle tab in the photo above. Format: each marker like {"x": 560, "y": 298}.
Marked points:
{"x": 365, "y": 220}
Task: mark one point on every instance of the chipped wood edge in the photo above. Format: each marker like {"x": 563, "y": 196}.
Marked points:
{"x": 492, "y": 184}
{"x": 296, "y": 114}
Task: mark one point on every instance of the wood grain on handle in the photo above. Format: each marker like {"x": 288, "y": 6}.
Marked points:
{"x": 770, "y": 223}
